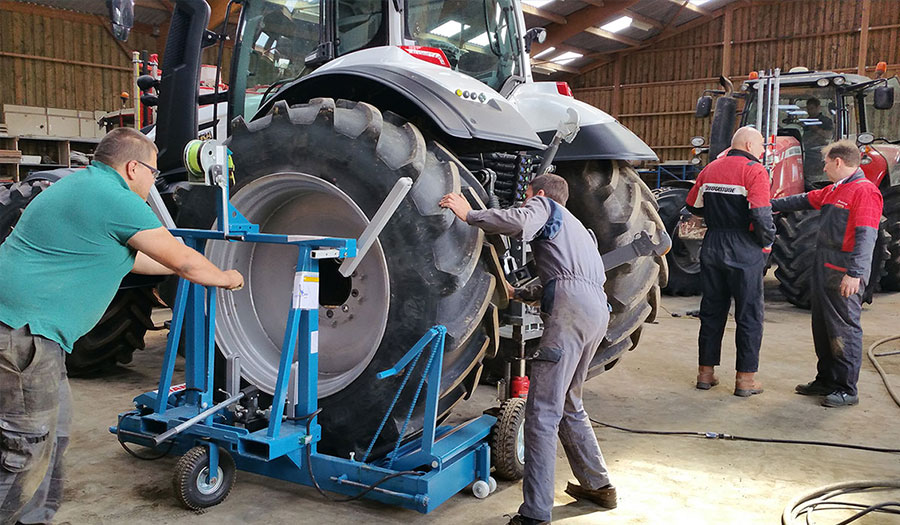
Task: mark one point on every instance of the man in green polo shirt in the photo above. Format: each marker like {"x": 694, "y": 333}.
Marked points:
{"x": 61, "y": 267}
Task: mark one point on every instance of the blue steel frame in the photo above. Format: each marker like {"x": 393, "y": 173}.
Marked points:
{"x": 445, "y": 459}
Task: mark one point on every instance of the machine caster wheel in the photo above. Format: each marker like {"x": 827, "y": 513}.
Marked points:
{"x": 481, "y": 489}
{"x": 193, "y": 487}
{"x": 507, "y": 441}
{"x": 492, "y": 483}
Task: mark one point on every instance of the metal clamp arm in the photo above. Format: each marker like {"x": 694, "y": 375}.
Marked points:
{"x": 436, "y": 331}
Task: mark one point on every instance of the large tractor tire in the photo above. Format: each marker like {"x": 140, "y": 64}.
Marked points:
{"x": 794, "y": 254}
{"x": 122, "y": 328}
{"x": 891, "y": 280}
{"x": 324, "y": 168}
{"x": 684, "y": 273}
{"x": 610, "y": 198}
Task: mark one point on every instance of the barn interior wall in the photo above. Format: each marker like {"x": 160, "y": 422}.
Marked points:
{"x": 657, "y": 87}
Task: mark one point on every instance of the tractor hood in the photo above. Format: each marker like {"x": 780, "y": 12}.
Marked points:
{"x": 461, "y": 106}
{"x": 601, "y": 136}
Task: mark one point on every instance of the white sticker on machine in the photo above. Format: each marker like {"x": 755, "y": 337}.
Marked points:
{"x": 306, "y": 291}
{"x": 314, "y": 342}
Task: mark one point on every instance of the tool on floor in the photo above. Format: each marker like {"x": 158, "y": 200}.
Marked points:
{"x": 281, "y": 441}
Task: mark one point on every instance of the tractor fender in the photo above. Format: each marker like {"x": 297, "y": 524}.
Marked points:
{"x": 458, "y": 106}
{"x": 601, "y": 136}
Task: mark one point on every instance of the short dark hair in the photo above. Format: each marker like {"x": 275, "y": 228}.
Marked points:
{"x": 814, "y": 101}
{"x": 846, "y": 150}
{"x": 122, "y": 145}
{"x": 554, "y": 186}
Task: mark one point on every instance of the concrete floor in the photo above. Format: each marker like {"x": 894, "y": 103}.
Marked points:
{"x": 659, "y": 479}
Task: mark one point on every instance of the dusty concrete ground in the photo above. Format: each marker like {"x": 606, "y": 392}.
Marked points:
{"x": 660, "y": 479}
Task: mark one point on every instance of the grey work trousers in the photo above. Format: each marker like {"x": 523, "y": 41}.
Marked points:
{"x": 35, "y": 411}
{"x": 573, "y": 330}
{"x": 836, "y": 329}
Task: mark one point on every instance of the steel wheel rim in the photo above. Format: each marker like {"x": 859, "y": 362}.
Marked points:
{"x": 250, "y": 323}
{"x": 520, "y": 442}
{"x": 204, "y": 486}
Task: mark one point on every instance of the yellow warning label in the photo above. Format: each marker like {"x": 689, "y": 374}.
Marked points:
{"x": 310, "y": 279}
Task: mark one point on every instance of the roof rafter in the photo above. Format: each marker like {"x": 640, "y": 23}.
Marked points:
{"x": 543, "y": 13}
{"x": 581, "y": 20}
{"x": 645, "y": 19}
{"x": 667, "y": 33}
{"x": 688, "y": 5}
{"x": 609, "y": 35}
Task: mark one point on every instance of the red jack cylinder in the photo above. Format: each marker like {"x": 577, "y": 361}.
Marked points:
{"x": 519, "y": 387}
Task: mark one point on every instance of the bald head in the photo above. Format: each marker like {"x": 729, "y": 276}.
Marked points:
{"x": 748, "y": 139}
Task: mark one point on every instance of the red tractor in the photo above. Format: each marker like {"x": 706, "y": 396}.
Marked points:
{"x": 813, "y": 108}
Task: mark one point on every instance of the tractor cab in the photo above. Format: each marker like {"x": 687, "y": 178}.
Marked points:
{"x": 279, "y": 41}
{"x": 814, "y": 109}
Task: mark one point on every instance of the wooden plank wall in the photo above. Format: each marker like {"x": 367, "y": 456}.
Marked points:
{"x": 63, "y": 59}
{"x": 659, "y": 86}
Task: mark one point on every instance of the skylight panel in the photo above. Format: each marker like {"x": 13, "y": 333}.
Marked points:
{"x": 618, "y": 24}
{"x": 567, "y": 57}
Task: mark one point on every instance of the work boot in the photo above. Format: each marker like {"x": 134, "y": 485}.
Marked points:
{"x": 706, "y": 377}
{"x": 745, "y": 385}
{"x": 813, "y": 389}
{"x": 519, "y": 519}
{"x": 604, "y": 496}
{"x": 840, "y": 399}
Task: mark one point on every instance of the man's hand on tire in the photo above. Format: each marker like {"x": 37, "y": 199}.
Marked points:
{"x": 456, "y": 203}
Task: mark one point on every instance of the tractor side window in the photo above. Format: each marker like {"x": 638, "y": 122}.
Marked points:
{"x": 360, "y": 25}
{"x": 883, "y": 123}
{"x": 478, "y": 38}
{"x": 276, "y": 38}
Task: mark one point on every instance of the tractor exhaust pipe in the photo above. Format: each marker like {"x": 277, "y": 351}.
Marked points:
{"x": 176, "y": 122}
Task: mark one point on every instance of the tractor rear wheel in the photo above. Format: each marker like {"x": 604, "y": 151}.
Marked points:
{"x": 794, "y": 254}
{"x": 684, "y": 269}
{"x": 324, "y": 168}
{"x": 891, "y": 280}
{"x": 122, "y": 328}
{"x": 610, "y": 198}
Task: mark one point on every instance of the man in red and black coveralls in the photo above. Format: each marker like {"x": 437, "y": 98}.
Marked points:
{"x": 732, "y": 195}
{"x": 851, "y": 211}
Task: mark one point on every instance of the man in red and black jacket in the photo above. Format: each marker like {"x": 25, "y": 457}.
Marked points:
{"x": 851, "y": 210}
{"x": 732, "y": 195}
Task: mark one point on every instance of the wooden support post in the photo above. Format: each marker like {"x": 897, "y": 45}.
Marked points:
{"x": 864, "y": 36}
{"x": 726, "y": 40}
{"x": 617, "y": 87}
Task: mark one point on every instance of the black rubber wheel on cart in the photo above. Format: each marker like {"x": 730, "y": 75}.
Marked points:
{"x": 507, "y": 441}
{"x": 193, "y": 488}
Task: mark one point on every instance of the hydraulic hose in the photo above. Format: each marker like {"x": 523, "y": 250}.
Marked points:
{"x": 806, "y": 502}
{"x": 879, "y": 369}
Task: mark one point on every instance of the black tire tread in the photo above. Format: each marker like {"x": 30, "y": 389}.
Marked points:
{"x": 610, "y": 198}
{"x": 671, "y": 199}
{"x": 184, "y": 474}
{"x": 457, "y": 287}
{"x": 503, "y": 440}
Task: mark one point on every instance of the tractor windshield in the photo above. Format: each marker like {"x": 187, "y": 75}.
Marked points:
{"x": 479, "y": 38}
{"x": 809, "y": 114}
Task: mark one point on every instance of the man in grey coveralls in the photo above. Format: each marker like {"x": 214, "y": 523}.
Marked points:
{"x": 575, "y": 314}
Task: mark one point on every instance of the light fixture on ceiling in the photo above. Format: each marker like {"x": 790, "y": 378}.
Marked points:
{"x": 619, "y": 24}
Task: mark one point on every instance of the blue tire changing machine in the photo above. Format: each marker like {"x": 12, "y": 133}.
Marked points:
{"x": 419, "y": 474}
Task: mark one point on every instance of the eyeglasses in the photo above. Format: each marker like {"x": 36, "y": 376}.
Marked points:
{"x": 153, "y": 170}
